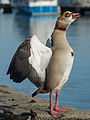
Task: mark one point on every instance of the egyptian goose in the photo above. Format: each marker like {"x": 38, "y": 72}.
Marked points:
{"x": 48, "y": 68}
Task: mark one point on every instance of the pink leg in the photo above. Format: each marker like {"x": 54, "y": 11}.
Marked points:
{"x": 51, "y": 106}
{"x": 56, "y": 103}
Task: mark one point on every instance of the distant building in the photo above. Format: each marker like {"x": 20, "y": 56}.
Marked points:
{"x": 74, "y": 2}
{"x": 75, "y": 5}
{"x": 64, "y": 2}
{"x": 80, "y": 1}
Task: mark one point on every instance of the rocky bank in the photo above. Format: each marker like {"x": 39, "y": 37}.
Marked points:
{"x": 19, "y": 106}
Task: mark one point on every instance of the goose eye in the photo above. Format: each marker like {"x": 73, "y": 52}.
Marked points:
{"x": 67, "y": 15}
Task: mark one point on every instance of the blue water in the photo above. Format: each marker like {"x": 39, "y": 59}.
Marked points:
{"x": 14, "y": 29}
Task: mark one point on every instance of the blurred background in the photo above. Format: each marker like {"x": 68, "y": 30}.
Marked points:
{"x": 20, "y": 19}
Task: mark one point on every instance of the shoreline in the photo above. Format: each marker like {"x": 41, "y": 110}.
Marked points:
{"x": 15, "y": 105}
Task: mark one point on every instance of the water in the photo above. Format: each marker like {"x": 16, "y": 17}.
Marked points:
{"x": 14, "y": 29}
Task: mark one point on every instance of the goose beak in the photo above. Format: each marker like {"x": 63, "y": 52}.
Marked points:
{"x": 75, "y": 15}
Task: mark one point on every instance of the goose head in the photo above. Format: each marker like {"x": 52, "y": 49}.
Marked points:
{"x": 65, "y": 20}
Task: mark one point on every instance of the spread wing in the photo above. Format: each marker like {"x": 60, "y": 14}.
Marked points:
{"x": 30, "y": 61}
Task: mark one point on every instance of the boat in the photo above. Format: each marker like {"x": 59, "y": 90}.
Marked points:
{"x": 6, "y": 2}
{"x": 37, "y": 7}
{"x": 5, "y": 5}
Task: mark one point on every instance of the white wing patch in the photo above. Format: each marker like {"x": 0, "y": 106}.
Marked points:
{"x": 40, "y": 56}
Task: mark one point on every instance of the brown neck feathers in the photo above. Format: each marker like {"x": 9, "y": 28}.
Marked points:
{"x": 60, "y": 24}
{"x": 62, "y": 29}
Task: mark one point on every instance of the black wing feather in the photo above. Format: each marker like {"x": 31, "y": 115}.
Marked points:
{"x": 19, "y": 66}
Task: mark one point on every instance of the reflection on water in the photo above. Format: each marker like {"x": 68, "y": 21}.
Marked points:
{"x": 16, "y": 28}
{"x": 42, "y": 26}
{"x": 22, "y": 25}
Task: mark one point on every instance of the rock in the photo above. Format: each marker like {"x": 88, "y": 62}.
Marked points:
{"x": 19, "y": 106}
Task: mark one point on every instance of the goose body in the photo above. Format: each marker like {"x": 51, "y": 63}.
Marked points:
{"x": 48, "y": 68}
{"x": 60, "y": 64}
